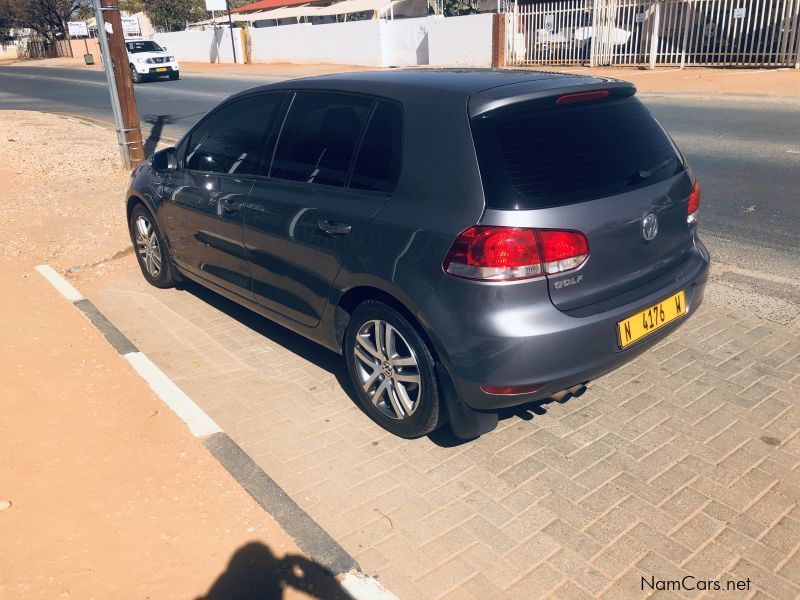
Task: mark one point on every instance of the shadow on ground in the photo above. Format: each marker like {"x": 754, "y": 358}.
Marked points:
{"x": 254, "y": 573}
{"x": 156, "y": 123}
{"x": 293, "y": 342}
{"x": 525, "y": 412}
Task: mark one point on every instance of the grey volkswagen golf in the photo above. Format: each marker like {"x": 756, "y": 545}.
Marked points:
{"x": 468, "y": 240}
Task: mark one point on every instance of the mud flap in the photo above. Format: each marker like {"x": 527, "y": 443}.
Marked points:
{"x": 465, "y": 423}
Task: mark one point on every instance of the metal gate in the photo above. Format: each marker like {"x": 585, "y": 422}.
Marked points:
{"x": 47, "y": 49}
{"x": 649, "y": 32}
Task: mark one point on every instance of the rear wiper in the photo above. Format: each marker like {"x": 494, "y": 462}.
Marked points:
{"x": 643, "y": 174}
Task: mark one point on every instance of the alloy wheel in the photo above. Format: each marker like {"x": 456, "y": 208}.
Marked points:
{"x": 147, "y": 246}
{"x": 387, "y": 368}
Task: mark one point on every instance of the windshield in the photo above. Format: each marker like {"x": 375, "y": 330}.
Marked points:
{"x": 148, "y": 46}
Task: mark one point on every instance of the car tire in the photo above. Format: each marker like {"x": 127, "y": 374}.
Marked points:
{"x": 151, "y": 249}
{"x": 135, "y": 75}
{"x": 383, "y": 375}
{"x": 174, "y": 76}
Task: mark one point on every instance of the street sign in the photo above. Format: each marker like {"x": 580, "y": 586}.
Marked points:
{"x": 641, "y": 17}
{"x": 216, "y": 5}
{"x": 549, "y": 22}
{"x": 77, "y": 29}
{"x": 130, "y": 25}
{"x": 739, "y": 13}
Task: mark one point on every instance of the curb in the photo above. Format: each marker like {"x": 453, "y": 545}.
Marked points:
{"x": 310, "y": 537}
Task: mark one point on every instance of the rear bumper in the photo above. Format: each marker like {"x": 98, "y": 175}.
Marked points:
{"x": 527, "y": 341}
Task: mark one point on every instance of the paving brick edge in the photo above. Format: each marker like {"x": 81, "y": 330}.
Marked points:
{"x": 310, "y": 537}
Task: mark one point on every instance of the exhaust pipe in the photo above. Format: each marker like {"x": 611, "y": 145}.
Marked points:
{"x": 564, "y": 395}
{"x": 561, "y": 396}
{"x": 578, "y": 390}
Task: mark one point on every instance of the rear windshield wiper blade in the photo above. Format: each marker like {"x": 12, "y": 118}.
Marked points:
{"x": 643, "y": 174}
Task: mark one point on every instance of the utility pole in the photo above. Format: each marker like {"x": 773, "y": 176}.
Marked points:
{"x": 123, "y": 99}
{"x": 230, "y": 29}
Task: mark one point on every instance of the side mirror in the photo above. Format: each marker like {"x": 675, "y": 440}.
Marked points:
{"x": 164, "y": 160}
{"x": 164, "y": 48}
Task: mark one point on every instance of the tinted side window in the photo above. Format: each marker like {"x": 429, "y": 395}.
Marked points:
{"x": 230, "y": 140}
{"x": 378, "y": 163}
{"x": 319, "y": 137}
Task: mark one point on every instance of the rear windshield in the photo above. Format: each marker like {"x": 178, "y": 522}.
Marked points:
{"x": 538, "y": 156}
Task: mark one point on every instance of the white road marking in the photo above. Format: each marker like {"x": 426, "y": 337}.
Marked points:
{"x": 63, "y": 286}
{"x": 365, "y": 588}
{"x": 52, "y": 78}
{"x": 199, "y": 423}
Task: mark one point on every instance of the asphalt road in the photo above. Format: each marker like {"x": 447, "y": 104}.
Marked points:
{"x": 745, "y": 152}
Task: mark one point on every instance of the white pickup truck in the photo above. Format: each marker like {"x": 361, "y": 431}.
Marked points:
{"x": 147, "y": 59}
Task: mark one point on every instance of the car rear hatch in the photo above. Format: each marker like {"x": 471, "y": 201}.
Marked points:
{"x": 592, "y": 159}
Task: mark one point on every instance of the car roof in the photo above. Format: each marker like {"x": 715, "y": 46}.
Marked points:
{"x": 482, "y": 88}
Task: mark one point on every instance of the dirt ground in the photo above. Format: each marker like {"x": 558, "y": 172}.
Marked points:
{"x": 104, "y": 493}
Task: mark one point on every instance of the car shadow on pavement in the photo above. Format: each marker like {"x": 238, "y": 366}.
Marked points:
{"x": 293, "y": 342}
{"x": 254, "y": 573}
{"x": 526, "y": 412}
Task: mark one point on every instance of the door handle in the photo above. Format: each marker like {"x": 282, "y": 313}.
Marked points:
{"x": 333, "y": 227}
{"x": 230, "y": 206}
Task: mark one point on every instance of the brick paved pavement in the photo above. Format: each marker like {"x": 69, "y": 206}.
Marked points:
{"x": 686, "y": 461}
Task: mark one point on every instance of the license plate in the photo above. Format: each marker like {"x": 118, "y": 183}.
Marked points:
{"x": 644, "y": 323}
{"x": 161, "y": 70}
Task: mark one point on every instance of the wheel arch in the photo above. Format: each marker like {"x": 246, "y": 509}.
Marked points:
{"x": 359, "y": 294}
{"x": 135, "y": 198}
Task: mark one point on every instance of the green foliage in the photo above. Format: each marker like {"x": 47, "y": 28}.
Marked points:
{"x": 172, "y": 15}
{"x": 453, "y": 8}
{"x": 131, "y": 6}
{"x": 47, "y": 18}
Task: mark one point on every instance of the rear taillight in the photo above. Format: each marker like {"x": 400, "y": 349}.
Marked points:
{"x": 694, "y": 204}
{"x": 489, "y": 253}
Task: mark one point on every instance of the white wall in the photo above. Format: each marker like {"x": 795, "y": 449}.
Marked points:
{"x": 210, "y": 46}
{"x": 461, "y": 41}
{"x": 407, "y": 42}
{"x": 435, "y": 41}
{"x": 10, "y": 51}
{"x": 353, "y": 43}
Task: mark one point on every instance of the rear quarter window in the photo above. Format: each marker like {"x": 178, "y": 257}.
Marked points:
{"x": 538, "y": 156}
{"x": 378, "y": 162}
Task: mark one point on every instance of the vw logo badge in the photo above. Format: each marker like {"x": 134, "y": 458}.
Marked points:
{"x": 649, "y": 227}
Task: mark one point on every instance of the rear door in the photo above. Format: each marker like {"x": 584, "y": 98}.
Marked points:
{"x": 204, "y": 207}
{"x": 335, "y": 162}
{"x": 602, "y": 166}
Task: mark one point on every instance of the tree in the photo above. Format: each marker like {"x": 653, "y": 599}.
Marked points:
{"x": 131, "y": 6}
{"x": 48, "y": 18}
{"x": 173, "y": 15}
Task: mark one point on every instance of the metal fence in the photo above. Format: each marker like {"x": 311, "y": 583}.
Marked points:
{"x": 654, "y": 32}
{"x": 47, "y": 49}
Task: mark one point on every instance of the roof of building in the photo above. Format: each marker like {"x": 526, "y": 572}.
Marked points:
{"x": 268, "y": 4}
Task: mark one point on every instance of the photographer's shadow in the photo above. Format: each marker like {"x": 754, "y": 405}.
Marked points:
{"x": 254, "y": 573}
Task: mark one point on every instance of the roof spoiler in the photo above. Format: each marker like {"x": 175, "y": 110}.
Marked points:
{"x": 506, "y": 96}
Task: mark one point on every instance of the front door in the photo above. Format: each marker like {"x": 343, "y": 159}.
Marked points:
{"x": 206, "y": 196}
